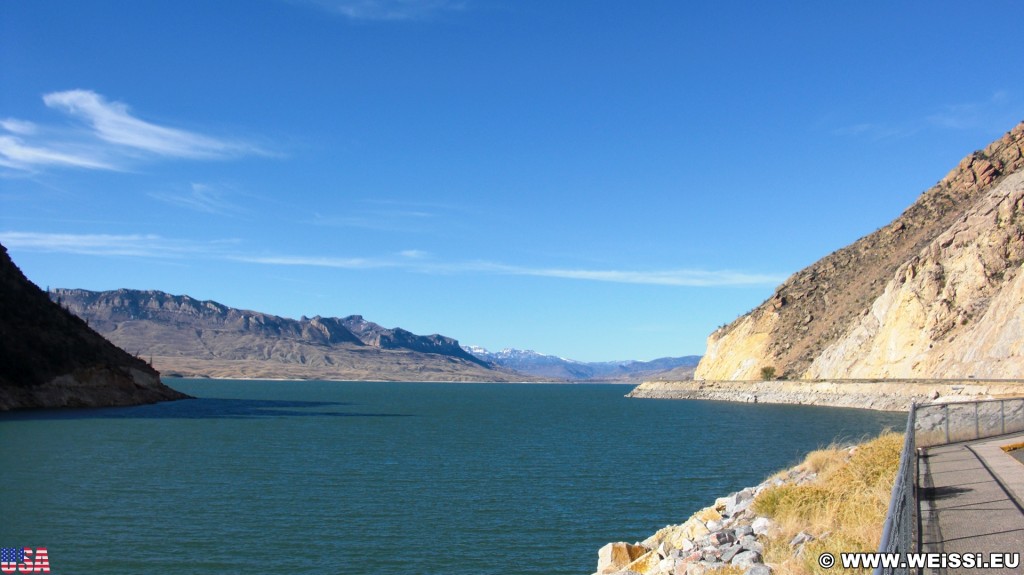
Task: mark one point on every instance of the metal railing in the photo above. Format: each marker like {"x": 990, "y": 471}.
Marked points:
{"x": 898, "y": 530}
{"x": 928, "y": 425}
{"x": 942, "y": 423}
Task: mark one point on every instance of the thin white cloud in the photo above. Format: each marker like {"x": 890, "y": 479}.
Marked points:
{"x": 388, "y": 9}
{"x": 111, "y": 138}
{"x": 314, "y": 261}
{"x": 112, "y": 122}
{"x": 388, "y": 219}
{"x": 14, "y": 153}
{"x": 998, "y": 112}
{"x": 994, "y": 113}
{"x": 413, "y": 262}
{"x": 20, "y": 127}
{"x": 200, "y": 198}
{"x": 135, "y": 245}
{"x": 682, "y": 277}
{"x": 875, "y": 131}
{"x": 154, "y": 246}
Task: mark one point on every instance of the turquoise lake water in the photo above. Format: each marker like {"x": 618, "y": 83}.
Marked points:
{"x": 368, "y": 478}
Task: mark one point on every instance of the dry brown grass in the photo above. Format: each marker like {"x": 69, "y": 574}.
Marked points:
{"x": 1013, "y": 446}
{"x": 846, "y": 503}
{"x": 822, "y": 460}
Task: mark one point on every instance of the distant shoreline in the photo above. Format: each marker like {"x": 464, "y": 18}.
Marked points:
{"x": 880, "y": 395}
{"x": 167, "y": 379}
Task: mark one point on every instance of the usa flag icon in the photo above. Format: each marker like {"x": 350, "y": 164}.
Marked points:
{"x": 12, "y": 554}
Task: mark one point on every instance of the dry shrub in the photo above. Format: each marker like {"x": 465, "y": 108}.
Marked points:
{"x": 846, "y": 503}
{"x": 822, "y": 460}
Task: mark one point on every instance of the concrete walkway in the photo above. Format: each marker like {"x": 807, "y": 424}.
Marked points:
{"x": 971, "y": 499}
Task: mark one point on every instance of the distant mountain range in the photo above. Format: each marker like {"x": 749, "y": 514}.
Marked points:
{"x": 186, "y": 337}
{"x": 550, "y": 366}
{"x": 183, "y": 336}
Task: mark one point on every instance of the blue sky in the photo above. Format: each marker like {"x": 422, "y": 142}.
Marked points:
{"x": 598, "y": 180}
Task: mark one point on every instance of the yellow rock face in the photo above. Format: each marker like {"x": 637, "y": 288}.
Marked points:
{"x": 936, "y": 294}
{"x": 737, "y": 353}
{"x": 957, "y": 310}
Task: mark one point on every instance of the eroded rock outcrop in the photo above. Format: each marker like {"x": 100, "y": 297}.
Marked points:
{"x": 937, "y": 293}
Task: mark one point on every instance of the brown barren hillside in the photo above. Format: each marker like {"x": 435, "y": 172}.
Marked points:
{"x": 906, "y": 300}
{"x": 183, "y": 336}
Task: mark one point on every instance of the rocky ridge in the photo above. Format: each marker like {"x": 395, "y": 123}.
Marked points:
{"x": 728, "y": 533}
{"x": 51, "y": 358}
{"x": 936, "y": 293}
{"x": 187, "y": 337}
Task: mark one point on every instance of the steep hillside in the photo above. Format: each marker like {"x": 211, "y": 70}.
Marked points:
{"x": 187, "y": 337}
{"x": 50, "y": 358}
{"x": 935, "y": 294}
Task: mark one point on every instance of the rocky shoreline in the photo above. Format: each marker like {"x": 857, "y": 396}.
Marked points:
{"x": 882, "y": 395}
{"x": 726, "y": 534}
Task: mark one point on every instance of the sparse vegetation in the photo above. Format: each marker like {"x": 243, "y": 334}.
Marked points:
{"x": 767, "y": 372}
{"x": 843, "y": 508}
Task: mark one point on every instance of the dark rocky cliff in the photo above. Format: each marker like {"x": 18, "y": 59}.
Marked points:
{"x": 51, "y": 358}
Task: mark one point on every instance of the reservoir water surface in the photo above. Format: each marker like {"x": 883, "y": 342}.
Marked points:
{"x": 373, "y": 478}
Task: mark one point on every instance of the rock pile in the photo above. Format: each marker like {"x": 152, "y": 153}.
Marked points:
{"x": 728, "y": 533}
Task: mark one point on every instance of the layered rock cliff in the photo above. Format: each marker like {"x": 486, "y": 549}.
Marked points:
{"x": 937, "y": 293}
{"x": 50, "y": 358}
{"x": 188, "y": 337}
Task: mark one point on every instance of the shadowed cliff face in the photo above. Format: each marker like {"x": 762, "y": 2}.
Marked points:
{"x": 936, "y": 293}
{"x": 50, "y": 358}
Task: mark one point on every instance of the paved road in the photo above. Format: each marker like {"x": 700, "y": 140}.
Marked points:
{"x": 972, "y": 501}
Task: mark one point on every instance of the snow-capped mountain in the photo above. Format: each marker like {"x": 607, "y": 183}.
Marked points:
{"x": 544, "y": 365}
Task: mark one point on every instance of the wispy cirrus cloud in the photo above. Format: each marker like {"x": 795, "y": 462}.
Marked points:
{"x": 20, "y": 127}
{"x": 998, "y": 112}
{"x": 414, "y": 261}
{"x": 983, "y": 114}
{"x": 389, "y": 216}
{"x": 388, "y": 9}
{"x": 200, "y": 197}
{"x": 678, "y": 277}
{"x": 875, "y": 130}
{"x": 110, "y": 137}
{"x": 16, "y": 154}
{"x": 378, "y": 220}
{"x": 134, "y": 245}
{"x": 113, "y": 122}
{"x": 317, "y": 261}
